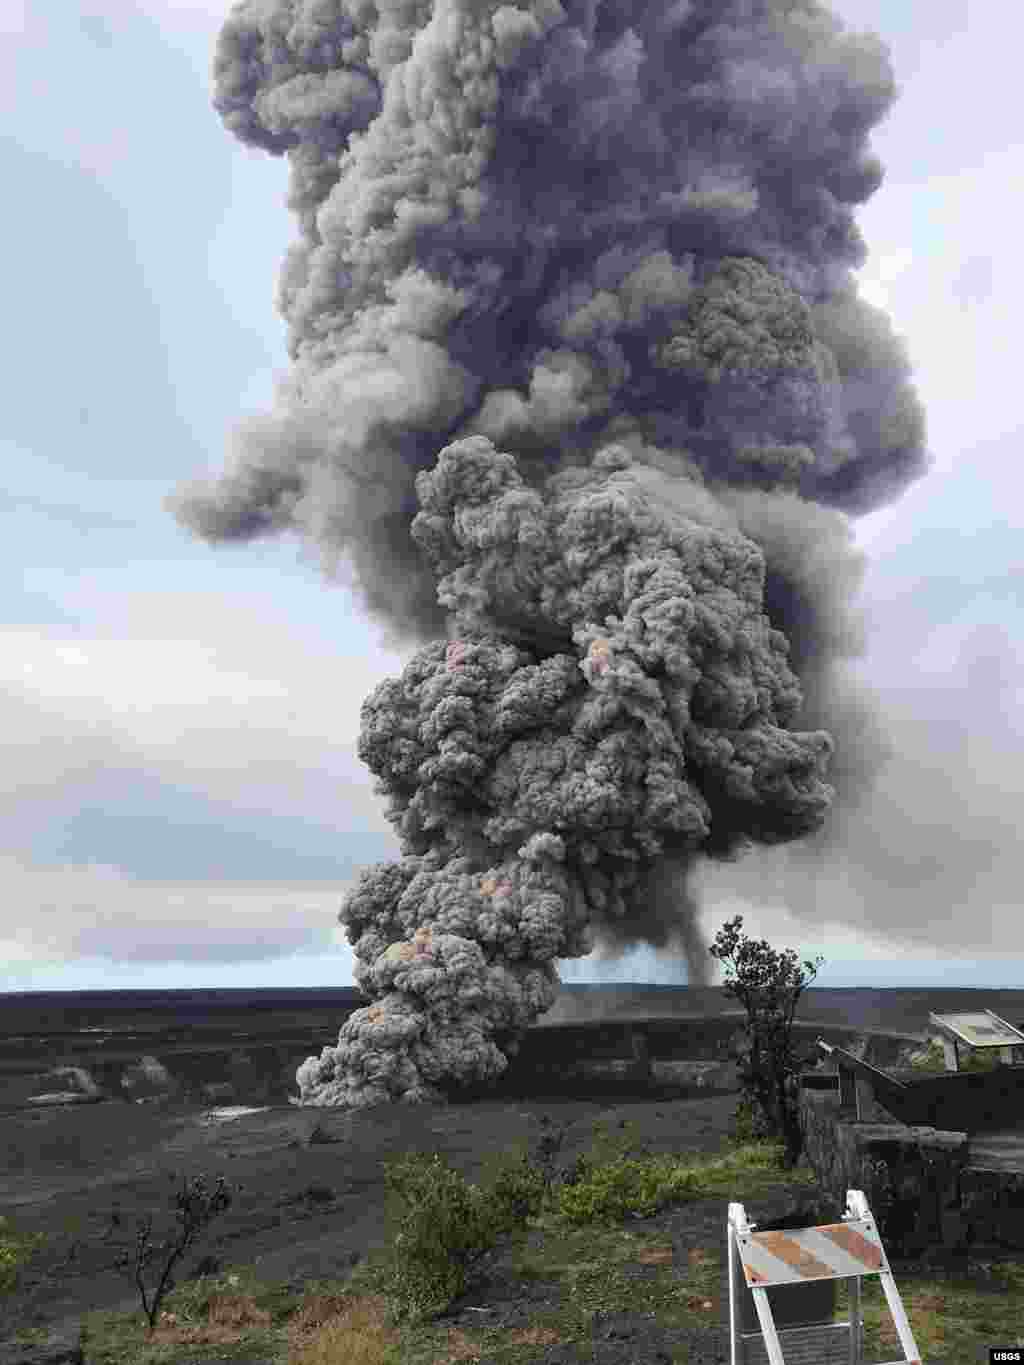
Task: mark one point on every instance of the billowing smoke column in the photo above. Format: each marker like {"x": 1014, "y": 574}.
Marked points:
{"x": 582, "y": 392}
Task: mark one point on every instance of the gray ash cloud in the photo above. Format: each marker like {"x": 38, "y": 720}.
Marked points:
{"x": 582, "y": 398}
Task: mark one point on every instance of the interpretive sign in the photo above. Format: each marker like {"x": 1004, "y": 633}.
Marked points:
{"x": 976, "y": 1028}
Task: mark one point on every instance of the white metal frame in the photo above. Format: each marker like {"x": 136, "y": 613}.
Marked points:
{"x": 808, "y": 1343}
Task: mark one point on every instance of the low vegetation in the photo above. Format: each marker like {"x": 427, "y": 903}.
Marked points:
{"x": 933, "y": 1058}
{"x": 196, "y": 1209}
{"x": 527, "y": 1218}
{"x": 443, "y": 1233}
{"x": 15, "y": 1249}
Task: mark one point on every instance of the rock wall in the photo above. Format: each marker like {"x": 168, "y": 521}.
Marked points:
{"x": 896, "y": 1167}
{"x": 975, "y": 1101}
{"x": 916, "y": 1179}
{"x": 992, "y": 1207}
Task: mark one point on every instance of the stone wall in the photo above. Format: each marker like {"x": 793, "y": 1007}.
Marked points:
{"x": 976, "y": 1101}
{"x": 915, "y": 1179}
{"x": 909, "y": 1176}
{"x": 992, "y": 1207}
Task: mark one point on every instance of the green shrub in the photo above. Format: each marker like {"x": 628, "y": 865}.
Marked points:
{"x": 9, "y": 1260}
{"x": 516, "y": 1189}
{"x": 442, "y": 1229}
{"x": 933, "y": 1058}
{"x": 14, "y": 1252}
{"x": 612, "y": 1191}
{"x": 749, "y": 1125}
{"x": 979, "y": 1061}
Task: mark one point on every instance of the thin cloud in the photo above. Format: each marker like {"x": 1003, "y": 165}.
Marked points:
{"x": 88, "y": 911}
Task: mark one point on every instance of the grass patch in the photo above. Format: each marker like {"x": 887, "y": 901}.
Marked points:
{"x": 955, "y": 1317}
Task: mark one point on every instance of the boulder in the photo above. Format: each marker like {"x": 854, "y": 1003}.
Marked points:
{"x": 61, "y": 1085}
{"x": 148, "y": 1079}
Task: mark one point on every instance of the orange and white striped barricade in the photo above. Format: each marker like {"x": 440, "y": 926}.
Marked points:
{"x": 837, "y": 1251}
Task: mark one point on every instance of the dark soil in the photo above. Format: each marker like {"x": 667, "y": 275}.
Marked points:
{"x": 309, "y": 1204}
{"x": 305, "y": 1210}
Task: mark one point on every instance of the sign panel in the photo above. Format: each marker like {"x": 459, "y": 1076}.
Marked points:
{"x": 979, "y": 1028}
{"x": 825, "y": 1253}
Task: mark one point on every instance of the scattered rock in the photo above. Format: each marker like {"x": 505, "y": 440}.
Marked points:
{"x": 312, "y": 1194}
{"x": 319, "y": 1135}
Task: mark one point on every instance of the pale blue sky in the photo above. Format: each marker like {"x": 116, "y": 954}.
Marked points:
{"x": 182, "y": 802}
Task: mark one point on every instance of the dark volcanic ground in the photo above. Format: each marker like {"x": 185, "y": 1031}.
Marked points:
{"x": 71, "y": 1168}
{"x": 267, "y": 1013}
{"x": 305, "y": 1209}
{"x": 888, "y": 1010}
{"x": 254, "y": 1041}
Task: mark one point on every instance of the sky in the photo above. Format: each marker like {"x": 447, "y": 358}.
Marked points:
{"x": 182, "y": 801}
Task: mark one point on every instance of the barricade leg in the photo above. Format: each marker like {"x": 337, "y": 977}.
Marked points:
{"x": 899, "y": 1317}
{"x": 856, "y": 1320}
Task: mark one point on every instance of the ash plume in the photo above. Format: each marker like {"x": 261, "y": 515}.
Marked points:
{"x": 582, "y": 398}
